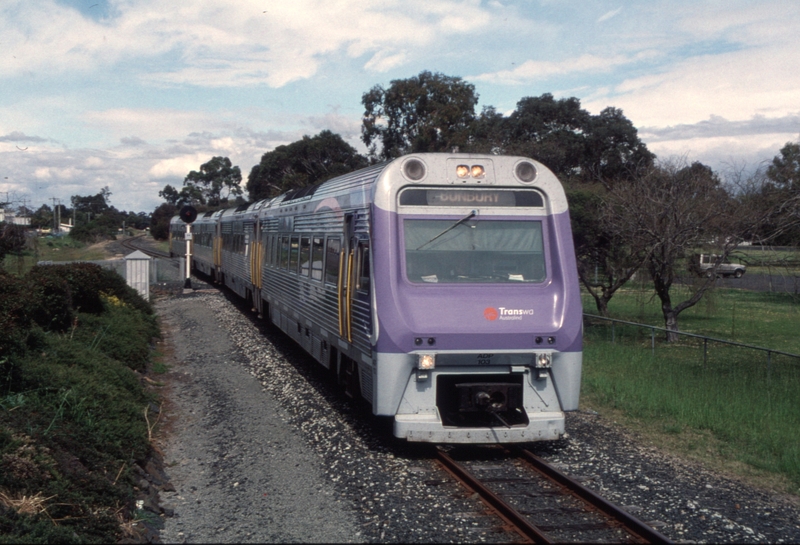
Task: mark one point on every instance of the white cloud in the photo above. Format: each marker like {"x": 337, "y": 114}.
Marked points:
{"x": 178, "y": 166}
{"x": 735, "y": 86}
{"x": 138, "y": 97}
{"x": 383, "y": 61}
{"x": 229, "y": 43}
{"x": 609, "y": 15}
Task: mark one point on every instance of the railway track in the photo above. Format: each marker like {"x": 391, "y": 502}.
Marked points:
{"x": 541, "y": 503}
{"x": 135, "y": 243}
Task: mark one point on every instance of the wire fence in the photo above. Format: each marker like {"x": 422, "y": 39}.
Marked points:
{"x": 705, "y": 341}
{"x": 162, "y": 270}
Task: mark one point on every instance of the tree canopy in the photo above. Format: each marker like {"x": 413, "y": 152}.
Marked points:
{"x": 311, "y": 160}
{"x": 573, "y": 143}
{"x": 215, "y": 182}
{"x": 213, "y": 185}
{"x": 12, "y": 240}
{"x": 782, "y": 196}
{"x": 425, "y": 113}
{"x": 667, "y": 214}
{"x": 159, "y": 221}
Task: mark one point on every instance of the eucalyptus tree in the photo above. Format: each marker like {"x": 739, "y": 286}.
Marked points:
{"x": 215, "y": 182}
{"x": 429, "y": 112}
{"x": 308, "y": 161}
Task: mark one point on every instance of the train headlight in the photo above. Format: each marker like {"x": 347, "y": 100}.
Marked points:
{"x": 543, "y": 361}
{"x": 475, "y": 171}
{"x": 525, "y": 172}
{"x": 426, "y": 362}
{"x": 414, "y": 170}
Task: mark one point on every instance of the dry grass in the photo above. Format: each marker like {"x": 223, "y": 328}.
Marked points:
{"x": 26, "y": 505}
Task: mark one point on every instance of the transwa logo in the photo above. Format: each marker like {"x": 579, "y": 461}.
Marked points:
{"x": 503, "y": 313}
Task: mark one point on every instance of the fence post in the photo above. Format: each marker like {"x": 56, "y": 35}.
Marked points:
{"x": 769, "y": 365}
{"x": 705, "y": 351}
{"x": 653, "y": 340}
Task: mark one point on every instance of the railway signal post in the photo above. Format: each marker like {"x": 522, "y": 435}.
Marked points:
{"x": 188, "y": 214}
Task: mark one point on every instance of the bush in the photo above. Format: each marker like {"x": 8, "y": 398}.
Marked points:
{"x": 71, "y": 408}
{"x": 87, "y": 283}
{"x": 14, "y": 319}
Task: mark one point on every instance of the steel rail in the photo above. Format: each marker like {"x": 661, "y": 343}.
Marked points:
{"x": 504, "y": 510}
{"x": 129, "y": 243}
{"x": 631, "y": 523}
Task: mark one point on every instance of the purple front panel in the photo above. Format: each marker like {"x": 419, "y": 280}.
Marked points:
{"x": 476, "y": 316}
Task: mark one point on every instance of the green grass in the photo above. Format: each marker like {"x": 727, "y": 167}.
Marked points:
{"x": 769, "y": 261}
{"x": 731, "y": 405}
{"x": 162, "y": 245}
{"x": 759, "y": 318}
{"x": 52, "y": 249}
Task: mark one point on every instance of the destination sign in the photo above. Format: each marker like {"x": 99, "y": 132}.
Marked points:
{"x": 471, "y": 197}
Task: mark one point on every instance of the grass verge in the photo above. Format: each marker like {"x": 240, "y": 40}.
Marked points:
{"x": 731, "y": 406}
{"x": 72, "y": 418}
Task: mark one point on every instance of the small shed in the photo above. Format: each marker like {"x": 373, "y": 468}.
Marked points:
{"x": 137, "y": 272}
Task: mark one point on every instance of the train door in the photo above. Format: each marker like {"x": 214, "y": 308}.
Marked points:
{"x": 256, "y": 261}
{"x": 345, "y": 288}
{"x": 354, "y": 297}
{"x": 217, "y": 251}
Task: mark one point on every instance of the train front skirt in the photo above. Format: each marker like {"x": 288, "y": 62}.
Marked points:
{"x": 460, "y": 405}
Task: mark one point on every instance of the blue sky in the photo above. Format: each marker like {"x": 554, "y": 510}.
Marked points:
{"x": 133, "y": 94}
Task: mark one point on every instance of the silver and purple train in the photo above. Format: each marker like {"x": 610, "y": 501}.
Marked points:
{"x": 442, "y": 288}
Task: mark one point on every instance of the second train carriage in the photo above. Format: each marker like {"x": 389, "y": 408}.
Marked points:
{"x": 442, "y": 288}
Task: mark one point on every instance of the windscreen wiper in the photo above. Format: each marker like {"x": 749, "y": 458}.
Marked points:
{"x": 456, "y": 224}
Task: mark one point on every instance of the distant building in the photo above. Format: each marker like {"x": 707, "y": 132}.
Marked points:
{"x": 9, "y": 217}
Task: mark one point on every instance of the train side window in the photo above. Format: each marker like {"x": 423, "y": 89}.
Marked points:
{"x": 363, "y": 266}
{"x": 334, "y": 246}
{"x": 269, "y": 251}
{"x": 294, "y": 250}
{"x": 305, "y": 255}
{"x": 317, "y": 253}
{"x": 284, "y": 261}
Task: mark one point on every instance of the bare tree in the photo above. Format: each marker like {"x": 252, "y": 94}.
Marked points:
{"x": 668, "y": 213}
{"x": 607, "y": 260}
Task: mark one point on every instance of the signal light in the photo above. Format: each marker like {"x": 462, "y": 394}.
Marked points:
{"x": 188, "y": 214}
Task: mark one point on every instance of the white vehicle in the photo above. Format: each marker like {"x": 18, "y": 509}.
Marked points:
{"x": 709, "y": 265}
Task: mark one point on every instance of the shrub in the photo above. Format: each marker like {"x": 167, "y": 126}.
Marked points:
{"x": 71, "y": 408}
{"x": 13, "y": 317}
{"x": 87, "y": 282}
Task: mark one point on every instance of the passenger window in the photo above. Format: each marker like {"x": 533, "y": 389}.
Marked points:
{"x": 332, "y": 260}
{"x": 363, "y": 274}
{"x": 317, "y": 253}
{"x": 284, "y": 252}
{"x": 305, "y": 255}
{"x": 294, "y": 250}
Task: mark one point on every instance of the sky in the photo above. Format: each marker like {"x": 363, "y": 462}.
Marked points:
{"x": 134, "y": 94}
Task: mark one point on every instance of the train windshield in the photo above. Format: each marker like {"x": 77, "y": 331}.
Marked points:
{"x": 469, "y": 250}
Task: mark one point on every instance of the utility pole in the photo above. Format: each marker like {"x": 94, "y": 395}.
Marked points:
{"x": 55, "y": 214}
